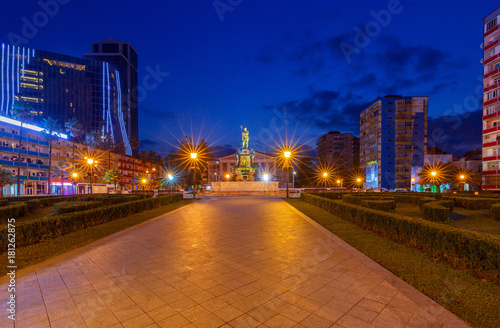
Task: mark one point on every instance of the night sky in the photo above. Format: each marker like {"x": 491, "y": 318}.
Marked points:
{"x": 277, "y": 67}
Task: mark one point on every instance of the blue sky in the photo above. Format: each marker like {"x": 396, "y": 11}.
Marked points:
{"x": 262, "y": 64}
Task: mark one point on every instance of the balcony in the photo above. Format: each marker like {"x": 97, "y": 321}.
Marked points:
{"x": 491, "y": 172}
{"x": 491, "y": 144}
{"x": 489, "y": 130}
{"x": 491, "y": 44}
{"x": 491, "y": 31}
{"x": 492, "y": 73}
{"x": 492, "y": 58}
{"x": 491, "y": 158}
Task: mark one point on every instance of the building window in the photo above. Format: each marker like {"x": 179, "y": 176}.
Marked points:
{"x": 491, "y": 24}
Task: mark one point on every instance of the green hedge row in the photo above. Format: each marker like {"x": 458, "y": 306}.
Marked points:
{"x": 458, "y": 246}
{"x": 55, "y": 226}
{"x": 14, "y": 210}
{"x": 473, "y": 203}
{"x": 438, "y": 211}
{"x": 425, "y": 200}
{"x": 380, "y": 205}
{"x": 495, "y": 210}
{"x": 70, "y": 207}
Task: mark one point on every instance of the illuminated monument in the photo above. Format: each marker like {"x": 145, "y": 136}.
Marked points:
{"x": 244, "y": 172}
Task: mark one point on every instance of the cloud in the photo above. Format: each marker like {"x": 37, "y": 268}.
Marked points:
{"x": 148, "y": 142}
{"x": 156, "y": 113}
{"x": 455, "y": 134}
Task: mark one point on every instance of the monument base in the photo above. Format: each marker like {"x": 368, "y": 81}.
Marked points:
{"x": 244, "y": 187}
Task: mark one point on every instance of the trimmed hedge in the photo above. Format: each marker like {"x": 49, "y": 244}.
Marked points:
{"x": 54, "y": 226}
{"x": 70, "y": 207}
{"x": 380, "y": 205}
{"x": 424, "y": 200}
{"x": 473, "y": 203}
{"x": 495, "y": 210}
{"x": 14, "y": 210}
{"x": 438, "y": 211}
{"x": 457, "y": 246}
{"x": 3, "y": 202}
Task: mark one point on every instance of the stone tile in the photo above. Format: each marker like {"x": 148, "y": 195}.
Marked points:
{"x": 204, "y": 266}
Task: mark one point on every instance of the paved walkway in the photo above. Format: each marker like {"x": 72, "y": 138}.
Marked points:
{"x": 220, "y": 262}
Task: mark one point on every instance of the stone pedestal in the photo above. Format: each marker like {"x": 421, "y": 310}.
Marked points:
{"x": 244, "y": 187}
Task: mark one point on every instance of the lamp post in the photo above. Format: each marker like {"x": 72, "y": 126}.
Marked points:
{"x": 433, "y": 179}
{"x": 462, "y": 177}
{"x": 325, "y": 177}
{"x": 75, "y": 176}
{"x": 90, "y": 161}
{"x": 194, "y": 157}
{"x": 360, "y": 182}
{"x": 170, "y": 178}
{"x": 287, "y": 155}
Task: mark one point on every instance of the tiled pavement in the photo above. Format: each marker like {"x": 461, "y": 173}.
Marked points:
{"x": 221, "y": 262}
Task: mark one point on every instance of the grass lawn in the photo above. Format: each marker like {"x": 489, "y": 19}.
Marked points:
{"x": 475, "y": 301}
{"x": 480, "y": 221}
{"x": 32, "y": 254}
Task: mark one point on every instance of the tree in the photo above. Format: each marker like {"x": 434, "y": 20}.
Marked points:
{"x": 50, "y": 133}
{"x": 93, "y": 139}
{"x": 437, "y": 175}
{"x": 22, "y": 112}
{"x": 112, "y": 175}
{"x": 75, "y": 129}
{"x": 60, "y": 171}
{"x": 306, "y": 174}
{"x": 6, "y": 178}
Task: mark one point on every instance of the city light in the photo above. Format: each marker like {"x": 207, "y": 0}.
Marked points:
{"x": 433, "y": 173}
{"x": 90, "y": 161}
{"x": 325, "y": 174}
{"x": 266, "y": 177}
{"x": 194, "y": 155}
{"x": 170, "y": 177}
{"x": 287, "y": 154}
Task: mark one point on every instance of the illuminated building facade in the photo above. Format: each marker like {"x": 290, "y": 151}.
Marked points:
{"x": 35, "y": 163}
{"x": 63, "y": 87}
{"x": 491, "y": 101}
{"x": 338, "y": 149}
{"x": 393, "y": 141}
{"x": 124, "y": 57}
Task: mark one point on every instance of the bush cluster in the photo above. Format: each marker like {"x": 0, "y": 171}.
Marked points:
{"x": 438, "y": 211}
{"x": 459, "y": 247}
{"x": 473, "y": 203}
{"x": 70, "y": 207}
{"x": 55, "y": 226}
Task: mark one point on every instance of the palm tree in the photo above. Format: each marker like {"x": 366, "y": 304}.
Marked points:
{"x": 93, "y": 139}
{"x": 6, "y": 178}
{"x": 50, "y": 133}
{"x": 60, "y": 171}
{"x": 75, "y": 129}
{"x": 22, "y": 112}
{"x": 112, "y": 175}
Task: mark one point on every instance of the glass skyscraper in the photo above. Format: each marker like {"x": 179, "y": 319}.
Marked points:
{"x": 63, "y": 87}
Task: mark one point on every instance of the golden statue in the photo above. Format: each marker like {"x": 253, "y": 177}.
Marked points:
{"x": 244, "y": 137}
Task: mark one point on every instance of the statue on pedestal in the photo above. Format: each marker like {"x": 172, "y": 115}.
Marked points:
{"x": 244, "y": 138}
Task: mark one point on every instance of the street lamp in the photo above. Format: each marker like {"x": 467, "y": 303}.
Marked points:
{"x": 75, "y": 176}
{"x": 91, "y": 162}
{"x": 266, "y": 177}
{"x": 325, "y": 177}
{"x": 194, "y": 157}
{"x": 433, "y": 179}
{"x": 287, "y": 155}
{"x": 359, "y": 182}
{"x": 293, "y": 180}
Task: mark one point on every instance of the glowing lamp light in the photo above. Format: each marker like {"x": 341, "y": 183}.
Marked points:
{"x": 143, "y": 180}
{"x": 90, "y": 161}
{"x": 294, "y": 172}
{"x": 412, "y": 179}
{"x": 359, "y": 179}
{"x": 338, "y": 181}
{"x": 325, "y": 174}
{"x": 227, "y": 176}
{"x": 194, "y": 155}
{"x": 266, "y": 177}
{"x": 288, "y": 154}
{"x": 75, "y": 175}
{"x": 462, "y": 177}
{"x": 170, "y": 177}
{"x": 433, "y": 173}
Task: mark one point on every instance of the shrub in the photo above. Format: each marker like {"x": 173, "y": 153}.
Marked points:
{"x": 54, "y": 226}
{"x": 495, "y": 210}
{"x": 15, "y": 210}
{"x": 473, "y": 203}
{"x": 70, "y": 207}
{"x": 424, "y": 200}
{"x": 380, "y": 205}
{"x": 433, "y": 211}
{"x": 457, "y": 246}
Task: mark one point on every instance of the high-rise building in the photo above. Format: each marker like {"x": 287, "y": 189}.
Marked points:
{"x": 124, "y": 57}
{"x": 338, "y": 149}
{"x": 393, "y": 140}
{"x": 491, "y": 101}
{"x": 63, "y": 87}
